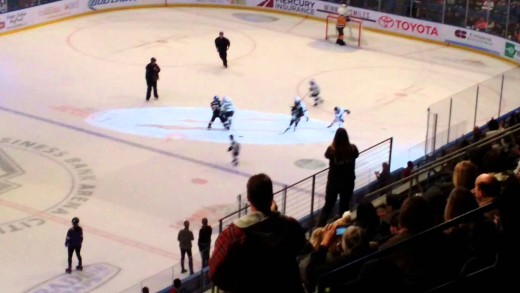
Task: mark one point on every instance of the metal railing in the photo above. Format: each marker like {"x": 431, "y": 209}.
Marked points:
{"x": 306, "y": 196}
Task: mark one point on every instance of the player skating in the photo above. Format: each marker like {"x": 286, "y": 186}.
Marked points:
{"x": 234, "y": 148}
{"x": 314, "y": 89}
{"x": 298, "y": 101}
{"x": 296, "y": 115}
{"x": 226, "y": 112}
{"x": 215, "y": 107}
{"x": 339, "y": 116}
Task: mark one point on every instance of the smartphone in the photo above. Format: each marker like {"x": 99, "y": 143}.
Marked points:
{"x": 340, "y": 230}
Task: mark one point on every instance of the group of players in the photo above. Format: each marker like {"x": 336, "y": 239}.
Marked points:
{"x": 224, "y": 110}
{"x": 299, "y": 110}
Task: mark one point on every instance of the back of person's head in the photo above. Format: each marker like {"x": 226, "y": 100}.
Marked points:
{"x": 354, "y": 240}
{"x": 366, "y": 215}
{"x": 204, "y": 221}
{"x": 145, "y": 290}
{"x": 394, "y": 201}
{"x": 488, "y": 185}
{"x": 260, "y": 192}
{"x": 177, "y": 283}
{"x": 460, "y": 201}
{"x": 464, "y": 174}
{"x": 415, "y": 214}
{"x": 186, "y": 224}
{"x": 341, "y": 138}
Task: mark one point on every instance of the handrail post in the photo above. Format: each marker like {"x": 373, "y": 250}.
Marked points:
{"x": 476, "y": 107}
{"x": 313, "y": 190}
{"x": 239, "y": 200}
{"x": 284, "y": 200}
{"x": 501, "y": 93}
{"x": 449, "y": 121}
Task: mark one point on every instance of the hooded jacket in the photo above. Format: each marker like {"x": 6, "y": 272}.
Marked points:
{"x": 257, "y": 253}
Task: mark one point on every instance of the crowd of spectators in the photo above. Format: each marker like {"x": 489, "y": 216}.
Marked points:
{"x": 486, "y": 175}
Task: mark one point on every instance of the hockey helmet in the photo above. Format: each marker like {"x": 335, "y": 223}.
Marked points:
{"x": 226, "y": 99}
{"x": 215, "y": 98}
{"x": 75, "y": 221}
{"x": 297, "y": 99}
{"x": 342, "y": 10}
{"x": 336, "y": 109}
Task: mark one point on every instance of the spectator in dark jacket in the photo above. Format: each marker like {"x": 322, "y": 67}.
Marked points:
{"x": 204, "y": 241}
{"x": 342, "y": 157}
{"x": 257, "y": 253}
{"x": 73, "y": 243}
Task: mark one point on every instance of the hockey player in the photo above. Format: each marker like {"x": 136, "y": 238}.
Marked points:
{"x": 296, "y": 115}
{"x": 341, "y": 23}
{"x": 215, "y": 107}
{"x": 73, "y": 243}
{"x": 339, "y": 116}
{"x": 226, "y": 112}
{"x": 314, "y": 89}
{"x": 234, "y": 148}
{"x": 298, "y": 102}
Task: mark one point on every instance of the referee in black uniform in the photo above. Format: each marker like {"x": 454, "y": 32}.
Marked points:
{"x": 222, "y": 44}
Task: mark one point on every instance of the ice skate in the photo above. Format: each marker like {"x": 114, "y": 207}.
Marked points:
{"x": 68, "y": 270}
{"x": 209, "y": 126}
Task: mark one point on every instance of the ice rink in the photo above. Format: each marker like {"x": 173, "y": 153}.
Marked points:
{"x": 78, "y": 139}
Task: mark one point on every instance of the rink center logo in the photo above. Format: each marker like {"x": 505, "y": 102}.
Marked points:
{"x": 249, "y": 127}
{"x": 36, "y": 178}
{"x": 92, "y": 277}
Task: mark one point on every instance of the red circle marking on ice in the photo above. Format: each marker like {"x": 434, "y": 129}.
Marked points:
{"x": 199, "y": 181}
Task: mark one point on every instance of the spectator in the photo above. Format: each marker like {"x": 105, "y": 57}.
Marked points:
{"x": 383, "y": 178}
{"x": 376, "y": 230}
{"x": 185, "y": 237}
{"x": 409, "y": 169}
{"x": 204, "y": 241}
{"x": 257, "y": 252}
{"x": 341, "y": 177}
{"x": 473, "y": 239}
{"x": 312, "y": 245}
{"x": 420, "y": 260}
{"x": 335, "y": 251}
{"x": 487, "y": 188}
{"x": 176, "y": 286}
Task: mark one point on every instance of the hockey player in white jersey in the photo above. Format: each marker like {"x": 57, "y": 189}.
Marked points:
{"x": 298, "y": 102}
{"x": 314, "y": 89}
{"x": 339, "y": 116}
{"x": 226, "y": 112}
{"x": 234, "y": 148}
